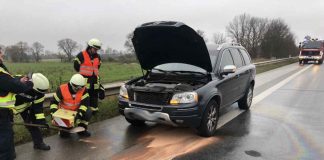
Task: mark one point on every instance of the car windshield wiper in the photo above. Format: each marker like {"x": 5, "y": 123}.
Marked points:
{"x": 161, "y": 70}
{"x": 193, "y": 72}
{"x": 164, "y": 71}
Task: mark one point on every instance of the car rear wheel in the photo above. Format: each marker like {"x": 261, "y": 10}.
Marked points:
{"x": 209, "y": 121}
{"x": 246, "y": 101}
{"x": 135, "y": 122}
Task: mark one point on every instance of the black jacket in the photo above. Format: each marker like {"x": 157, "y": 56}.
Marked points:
{"x": 11, "y": 84}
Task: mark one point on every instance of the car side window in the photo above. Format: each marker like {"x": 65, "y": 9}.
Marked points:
{"x": 236, "y": 57}
{"x": 246, "y": 57}
{"x": 226, "y": 59}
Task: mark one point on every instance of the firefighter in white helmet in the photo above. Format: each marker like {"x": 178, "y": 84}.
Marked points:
{"x": 30, "y": 106}
{"x": 87, "y": 63}
{"x": 74, "y": 96}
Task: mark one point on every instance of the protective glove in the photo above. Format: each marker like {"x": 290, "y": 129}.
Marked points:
{"x": 53, "y": 110}
{"x": 101, "y": 93}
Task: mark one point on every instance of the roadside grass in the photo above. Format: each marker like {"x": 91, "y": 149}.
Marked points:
{"x": 109, "y": 106}
{"x": 264, "y": 68}
{"x": 59, "y": 72}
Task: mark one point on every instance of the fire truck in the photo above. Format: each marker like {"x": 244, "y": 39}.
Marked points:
{"x": 311, "y": 51}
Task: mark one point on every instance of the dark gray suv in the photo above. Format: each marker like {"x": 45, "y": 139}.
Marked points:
{"x": 185, "y": 83}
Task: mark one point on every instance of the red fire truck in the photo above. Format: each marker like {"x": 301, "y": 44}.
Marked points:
{"x": 311, "y": 51}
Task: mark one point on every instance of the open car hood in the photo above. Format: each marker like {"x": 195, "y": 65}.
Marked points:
{"x": 158, "y": 43}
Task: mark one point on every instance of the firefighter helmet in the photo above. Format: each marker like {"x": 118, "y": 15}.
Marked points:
{"x": 95, "y": 43}
{"x": 78, "y": 80}
{"x": 41, "y": 83}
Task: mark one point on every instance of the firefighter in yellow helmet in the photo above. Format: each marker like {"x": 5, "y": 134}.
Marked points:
{"x": 74, "y": 96}
{"x": 87, "y": 63}
{"x": 9, "y": 87}
{"x": 30, "y": 107}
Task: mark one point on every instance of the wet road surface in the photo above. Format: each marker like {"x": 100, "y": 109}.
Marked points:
{"x": 285, "y": 124}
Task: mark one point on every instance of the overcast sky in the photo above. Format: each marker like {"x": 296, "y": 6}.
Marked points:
{"x": 48, "y": 21}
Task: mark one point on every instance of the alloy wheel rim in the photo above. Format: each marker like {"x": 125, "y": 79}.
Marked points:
{"x": 250, "y": 97}
{"x": 212, "y": 119}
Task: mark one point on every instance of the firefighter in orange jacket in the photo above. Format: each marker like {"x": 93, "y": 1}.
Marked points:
{"x": 87, "y": 63}
{"x": 74, "y": 96}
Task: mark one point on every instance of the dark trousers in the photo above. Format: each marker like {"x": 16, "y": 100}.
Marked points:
{"x": 93, "y": 95}
{"x": 7, "y": 146}
{"x": 35, "y": 132}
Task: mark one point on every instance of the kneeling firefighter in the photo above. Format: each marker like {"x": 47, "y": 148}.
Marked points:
{"x": 74, "y": 96}
{"x": 30, "y": 107}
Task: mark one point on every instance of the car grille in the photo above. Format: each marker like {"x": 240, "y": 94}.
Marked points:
{"x": 151, "y": 98}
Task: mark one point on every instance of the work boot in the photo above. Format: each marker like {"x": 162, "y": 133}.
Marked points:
{"x": 85, "y": 133}
{"x": 42, "y": 146}
{"x": 63, "y": 134}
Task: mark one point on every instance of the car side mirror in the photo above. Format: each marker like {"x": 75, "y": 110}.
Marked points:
{"x": 228, "y": 69}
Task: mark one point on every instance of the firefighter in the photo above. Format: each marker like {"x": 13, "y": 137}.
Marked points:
{"x": 30, "y": 107}
{"x": 87, "y": 63}
{"x": 74, "y": 96}
{"x": 8, "y": 88}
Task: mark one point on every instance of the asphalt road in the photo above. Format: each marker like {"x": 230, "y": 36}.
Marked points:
{"x": 285, "y": 122}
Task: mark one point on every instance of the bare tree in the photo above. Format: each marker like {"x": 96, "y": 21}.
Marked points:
{"x": 18, "y": 52}
{"x": 248, "y": 31}
{"x": 237, "y": 29}
{"x": 61, "y": 56}
{"x": 219, "y": 38}
{"x": 202, "y": 34}
{"x": 129, "y": 44}
{"x": 68, "y": 46}
{"x": 278, "y": 40}
{"x": 37, "y": 48}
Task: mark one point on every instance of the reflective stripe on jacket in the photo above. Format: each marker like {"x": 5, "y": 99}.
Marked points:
{"x": 22, "y": 107}
{"x": 89, "y": 67}
{"x": 68, "y": 102}
{"x": 7, "y": 101}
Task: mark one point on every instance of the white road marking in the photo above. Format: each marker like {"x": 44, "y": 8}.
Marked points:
{"x": 234, "y": 113}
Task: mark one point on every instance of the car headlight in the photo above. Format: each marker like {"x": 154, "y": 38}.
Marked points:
{"x": 123, "y": 92}
{"x": 185, "y": 97}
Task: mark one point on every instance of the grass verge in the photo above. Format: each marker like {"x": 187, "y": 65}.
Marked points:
{"x": 260, "y": 69}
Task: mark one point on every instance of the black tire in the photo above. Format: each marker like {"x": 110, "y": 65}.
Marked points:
{"x": 209, "y": 120}
{"x": 320, "y": 61}
{"x": 135, "y": 122}
{"x": 246, "y": 101}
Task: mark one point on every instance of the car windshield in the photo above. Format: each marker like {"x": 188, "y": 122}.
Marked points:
{"x": 179, "y": 67}
{"x": 312, "y": 44}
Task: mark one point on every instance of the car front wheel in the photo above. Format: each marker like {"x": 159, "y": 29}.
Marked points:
{"x": 209, "y": 121}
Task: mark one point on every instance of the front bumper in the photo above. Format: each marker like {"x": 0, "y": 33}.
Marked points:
{"x": 182, "y": 115}
{"x": 310, "y": 58}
